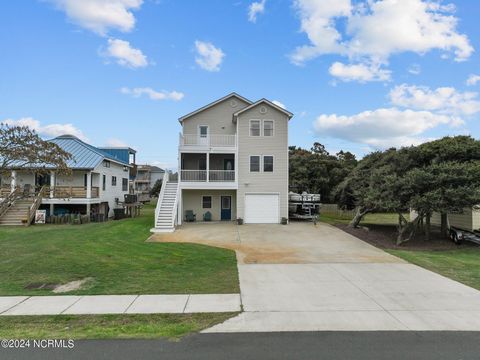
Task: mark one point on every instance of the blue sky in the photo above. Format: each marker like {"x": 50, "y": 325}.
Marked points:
{"x": 357, "y": 75}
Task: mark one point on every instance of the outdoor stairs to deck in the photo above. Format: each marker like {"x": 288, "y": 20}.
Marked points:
{"x": 165, "y": 221}
{"x": 17, "y": 213}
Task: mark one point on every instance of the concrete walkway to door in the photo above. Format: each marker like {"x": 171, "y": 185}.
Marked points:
{"x": 305, "y": 278}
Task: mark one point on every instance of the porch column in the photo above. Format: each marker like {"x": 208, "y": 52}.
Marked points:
{"x": 52, "y": 209}
{"x": 208, "y": 167}
{"x": 52, "y": 183}
{"x": 88, "y": 209}
{"x": 89, "y": 185}
{"x": 13, "y": 181}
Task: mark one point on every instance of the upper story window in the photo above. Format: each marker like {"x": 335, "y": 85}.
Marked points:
{"x": 124, "y": 184}
{"x": 268, "y": 163}
{"x": 267, "y": 127}
{"x": 203, "y": 130}
{"x": 254, "y": 127}
{"x": 104, "y": 182}
{"x": 255, "y": 163}
{"x": 106, "y": 163}
{"x": 114, "y": 181}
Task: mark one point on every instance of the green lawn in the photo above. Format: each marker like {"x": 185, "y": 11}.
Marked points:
{"x": 115, "y": 255}
{"x": 376, "y": 218}
{"x": 462, "y": 265}
{"x": 106, "y": 326}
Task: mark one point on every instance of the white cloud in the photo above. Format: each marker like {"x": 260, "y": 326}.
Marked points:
{"x": 113, "y": 142}
{"x": 359, "y": 72}
{"x": 50, "y": 130}
{"x": 124, "y": 54}
{"x": 152, "y": 94}
{"x": 375, "y": 30}
{"x": 280, "y": 104}
{"x": 101, "y": 15}
{"x": 208, "y": 56}
{"x": 255, "y": 9}
{"x": 415, "y": 69}
{"x": 382, "y": 128}
{"x": 473, "y": 79}
{"x": 444, "y": 100}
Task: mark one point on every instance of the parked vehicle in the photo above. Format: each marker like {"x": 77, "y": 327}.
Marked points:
{"x": 303, "y": 206}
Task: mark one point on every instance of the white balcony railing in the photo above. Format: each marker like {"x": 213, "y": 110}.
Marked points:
{"x": 201, "y": 175}
{"x": 208, "y": 140}
{"x": 221, "y": 175}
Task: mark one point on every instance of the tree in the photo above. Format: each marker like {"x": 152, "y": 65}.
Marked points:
{"x": 317, "y": 171}
{"x": 21, "y": 147}
{"x": 440, "y": 176}
{"x": 155, "y": 190}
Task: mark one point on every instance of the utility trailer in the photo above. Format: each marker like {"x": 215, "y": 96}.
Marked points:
{"x": 458, "y": 235}
{"x": 303, "y": 206}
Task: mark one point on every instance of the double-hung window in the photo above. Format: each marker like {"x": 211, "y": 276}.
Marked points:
{"x": 254, "y": 163}
{"x": 267, "y": 127}
{"x": 206, "y": 202}
{"x": 104, "y": 182}
{"x": 268, "y": 163}
{"x": 124, "y": 184}
{"x": 254, "y": 127}
{"x": 114, "y": 181}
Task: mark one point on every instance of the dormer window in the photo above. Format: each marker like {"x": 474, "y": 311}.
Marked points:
{"x": 254, "y": 127}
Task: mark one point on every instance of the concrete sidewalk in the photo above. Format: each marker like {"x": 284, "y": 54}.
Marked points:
{"x": 119, "y": 304}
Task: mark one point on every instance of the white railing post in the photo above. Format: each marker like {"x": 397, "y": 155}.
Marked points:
{"x": 13, "y": 182}
{"x": 89, "y": 185}
{"x": 208, "y": 167}
{"x": 52, "y": 184}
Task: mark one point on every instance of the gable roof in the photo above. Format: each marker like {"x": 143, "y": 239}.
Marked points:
{"x": 268, "y": 102}
{"x": 233, "y": 94}
{"x": 84, "y": 156}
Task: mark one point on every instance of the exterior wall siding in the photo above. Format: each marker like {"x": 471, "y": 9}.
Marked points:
{"x": 111, "y": 192}
{"x": 276, "y": 145}
{"x": 192, "y": 200}
{"x": 218, "y": 118}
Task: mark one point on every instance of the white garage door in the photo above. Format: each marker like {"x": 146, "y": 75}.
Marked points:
{"x": 261, "y": 209}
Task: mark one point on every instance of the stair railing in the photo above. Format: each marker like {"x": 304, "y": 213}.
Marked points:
{"x": 160, "y": 196}
{"x": 35, "y": 205}
{"x": 5, "y": 204}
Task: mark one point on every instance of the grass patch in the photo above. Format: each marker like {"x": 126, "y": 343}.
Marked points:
{"x": 462, "y": 265}
{"x": 107, "y": 326}
{"x": 369, "y": 219}
{"x": 117, "y": 258}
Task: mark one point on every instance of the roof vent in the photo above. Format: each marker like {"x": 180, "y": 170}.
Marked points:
{"x": 263, "y": 110}
{"x": 233, "y": 103}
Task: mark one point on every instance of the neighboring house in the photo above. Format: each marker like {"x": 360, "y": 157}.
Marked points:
{"x": 233, "y": 163}
{"x": 99, "y": 180}
{"x": 468, "y": 220}
{"x": 145, "y": 179}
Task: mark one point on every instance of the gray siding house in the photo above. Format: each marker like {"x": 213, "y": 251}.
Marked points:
{"x": 233, "y": 163}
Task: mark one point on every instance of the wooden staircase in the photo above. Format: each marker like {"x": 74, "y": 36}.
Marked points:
{"x": 20, "y": 210}
{"x": 17, "y": 213}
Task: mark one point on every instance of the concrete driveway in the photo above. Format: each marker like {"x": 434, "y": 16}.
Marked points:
{"x": 305, "y": 278}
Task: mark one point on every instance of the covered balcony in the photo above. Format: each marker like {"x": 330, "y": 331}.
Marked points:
{"x": 207, "y": 141}
{"x": 208, "y": 168}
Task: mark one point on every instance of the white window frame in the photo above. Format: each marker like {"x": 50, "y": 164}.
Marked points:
{"x": 263, "y": 128}
{"x": 211, "y": 202}
{"x": 273, "y": 164}
{"x": 259, "y": 128}
{"x": 200, "y": 133}
{"x": 259, "y": 164}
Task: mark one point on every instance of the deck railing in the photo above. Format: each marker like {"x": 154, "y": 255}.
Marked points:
{"x": 212, "y": 140}
{"x": 76, "y": 192}
{"x": 213, "y": 175}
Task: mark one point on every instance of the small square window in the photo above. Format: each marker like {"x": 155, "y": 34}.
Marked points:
{"x": 255, "y": 128}
{"x": 268, "y": 163}
{"x": 268, "y": 128}
{"x": 206, "y": 202}
{"x": 254, "y": 163}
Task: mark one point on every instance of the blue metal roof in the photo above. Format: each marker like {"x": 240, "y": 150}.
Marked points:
{"x": 84, "y": 156}
{"x": 121, "y": 154}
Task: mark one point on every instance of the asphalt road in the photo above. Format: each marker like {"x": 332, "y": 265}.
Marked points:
{"x": 299, "y": 345}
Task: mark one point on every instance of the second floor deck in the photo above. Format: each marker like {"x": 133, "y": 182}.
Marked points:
{"x": 208, "y": 141}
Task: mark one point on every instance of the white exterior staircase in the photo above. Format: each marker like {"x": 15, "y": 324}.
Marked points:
{"x": 166, "y": 210}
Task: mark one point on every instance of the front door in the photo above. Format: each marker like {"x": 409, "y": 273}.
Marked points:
{"x": 226, "y": 206}
{"x": 203, "y": 135}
